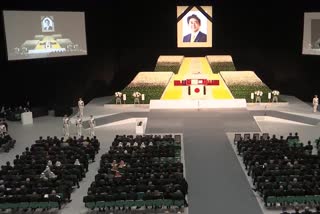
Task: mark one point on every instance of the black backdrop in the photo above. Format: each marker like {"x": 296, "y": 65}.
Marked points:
{"x": 125, "y": 37}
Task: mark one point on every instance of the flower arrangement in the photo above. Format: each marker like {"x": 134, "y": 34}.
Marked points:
{"x": 118, "y": 94}
{"x": 258, "y": 93}
{"x": 241, "y": 78}
{"x": 136, "y": 94}
{"x": 170, "y": 59}
{"x": 151, "y": 79}
{"x": 219, "y": 58}
{"x": 275, "y": 93}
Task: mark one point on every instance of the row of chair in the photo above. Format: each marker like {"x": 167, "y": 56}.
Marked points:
{"x": 290, "y": 200}
{"x": 31, "y": 205}
{"x": 247, "y": 136}
{"x": 128, "y": 204}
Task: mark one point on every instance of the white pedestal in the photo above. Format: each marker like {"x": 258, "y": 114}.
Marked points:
{"x": 26, "y": 118}
{"x": 141, "y": 125}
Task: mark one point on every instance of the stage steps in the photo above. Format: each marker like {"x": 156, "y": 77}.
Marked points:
{"x": 196, "y": 68}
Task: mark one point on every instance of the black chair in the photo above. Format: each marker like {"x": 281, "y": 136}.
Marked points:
{"x": 237, "y": 138}
{"x": 246, "y": 136}
{"x": 256, "y": 136}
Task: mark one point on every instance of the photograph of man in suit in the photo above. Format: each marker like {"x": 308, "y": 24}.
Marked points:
{"x": 196, "y": 35}
{"x": 47, "y": 25}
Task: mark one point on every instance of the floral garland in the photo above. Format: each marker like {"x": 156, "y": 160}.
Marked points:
{"x": 136, "y": 94}
{"x": 258, "y": 93}
{"x": 275, "y": 93}
{"x": 118, "y": 94}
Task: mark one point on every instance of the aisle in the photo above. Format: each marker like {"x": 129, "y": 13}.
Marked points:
{"x": 217, "y": 183}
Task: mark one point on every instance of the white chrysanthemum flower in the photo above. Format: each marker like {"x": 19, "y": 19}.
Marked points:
{"x": 258, "y": 93}
{"x": 275, "y": 93}
{"x": 136, "y": 94}
{"x": 118, "y": 94}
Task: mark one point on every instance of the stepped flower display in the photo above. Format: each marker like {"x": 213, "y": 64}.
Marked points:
{"x": 247, "y": 78}
{"x": 170, "y": 59}
{"x": 243, "y": 83}
{"x": 221, "y": 63}
{"x": 169, "y": 63}
{"x": 151, "y": 79}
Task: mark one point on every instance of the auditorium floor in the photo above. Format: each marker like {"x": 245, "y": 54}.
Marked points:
{"x": 215, "y": 175}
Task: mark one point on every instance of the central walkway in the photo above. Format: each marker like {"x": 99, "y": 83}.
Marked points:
{"x": 195, "y": 68}
{"x": 217, "y": 183}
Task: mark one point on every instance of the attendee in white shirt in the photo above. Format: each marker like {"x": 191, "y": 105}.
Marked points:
{"x": 66, "y": 126}
{"x": 79, "y": 126}
{"x": 92, "y": 124}
{"x": 81, "y": 107}
{"x": 315, "y": 103}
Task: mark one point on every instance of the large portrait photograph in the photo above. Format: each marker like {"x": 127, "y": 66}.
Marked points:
{"x": 311, "y": 34}
{"x": 47, "y": 24}
{"x": 194, "y": 26}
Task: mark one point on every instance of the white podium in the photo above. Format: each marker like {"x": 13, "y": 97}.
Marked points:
{"x": 26, "y": 118}
{"x": 141, "y": 126}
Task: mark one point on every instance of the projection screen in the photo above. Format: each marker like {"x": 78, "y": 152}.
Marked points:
{"x": 311, "y": 34}
{"x": 41, "y": 34}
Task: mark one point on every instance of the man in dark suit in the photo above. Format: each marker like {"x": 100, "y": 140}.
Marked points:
{"x": 48, "y": 26}
{"x": 196, "y": 35}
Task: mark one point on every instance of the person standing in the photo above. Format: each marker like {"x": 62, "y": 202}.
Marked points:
{"x": 92, "y": 124}
{"x": 315, "y": 103}
{"x": 66, "y": 125}
{"x": 79, "y": 126}
{"x": 81, "y": 107}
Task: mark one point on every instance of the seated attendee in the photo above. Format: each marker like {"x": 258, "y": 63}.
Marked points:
{"x": 3, "y": 129}
{"x": 142, "y": 146}
{"x": 77, "y": 162}
{"x": 290, "y": 137}
{"x": 58, "y": 164}
{"x": 43, "y": 177}
{"x": 122, "y": 164}
{"x": 114, "y": 164}
{"x": 55, "y": 197}
{"x": 117, "y": 175}
{"x": 284, "y": 211}
{"x": 306, "y": 211}
{"x": 308, "y": 148}
{"x": 296, "y": 210}
{"x": 52, "y": 175}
